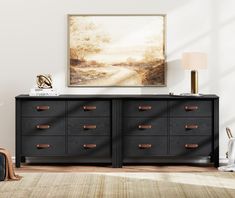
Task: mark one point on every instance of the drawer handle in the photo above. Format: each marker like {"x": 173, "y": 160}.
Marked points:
{"x": 145, "y": 146}
{"x": 89, "y": 108}
{"x": 42, "y": 108}
{"x": 191, "y": 108}
{"x": 89, "y": 146}
{"x": 43, "y": 146}
{"x": 145, "y": 108}
{"x": 191, "y": 146}
{"x": 145, "y": 126}
{"x": 89, "y": 126}
{"x": 191, "y": 126}
{"x": 43, "y": 126}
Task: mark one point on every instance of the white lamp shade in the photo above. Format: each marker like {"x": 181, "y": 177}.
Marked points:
{"x": 194, "y": 60}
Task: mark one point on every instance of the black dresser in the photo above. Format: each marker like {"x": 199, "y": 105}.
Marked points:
{"x": 117, "y": 129}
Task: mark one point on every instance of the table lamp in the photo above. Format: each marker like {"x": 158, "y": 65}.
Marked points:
{"x": 194, "y": 61}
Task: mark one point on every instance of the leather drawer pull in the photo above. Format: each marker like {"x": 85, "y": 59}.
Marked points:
{"x": 89, "y": 108}
{"x": 145, "y": 146}
{"x": 89, "y": 146}
{"x": 191, "y": 146}
{"x": 43, "y": 126}
{"x": 191, "y": 108}
{"x": 89, "y": 126}
{"x": 145, "y": 126}
{"x": 42, "y": 108}
{"x": 145, "y": 108}
{"x": 43, "y": 146}
{"x": 191, "y": 126}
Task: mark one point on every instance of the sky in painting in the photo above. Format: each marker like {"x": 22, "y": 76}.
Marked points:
{"x": 129, "y": 36}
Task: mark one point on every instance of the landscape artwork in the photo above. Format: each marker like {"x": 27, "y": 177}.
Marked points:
{"x": 116, "y": 50}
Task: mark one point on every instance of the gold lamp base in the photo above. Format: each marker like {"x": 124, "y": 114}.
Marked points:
{"x": 194, "y": 82}
{"x": 194, "y": 85}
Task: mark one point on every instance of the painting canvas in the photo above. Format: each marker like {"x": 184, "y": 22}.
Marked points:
{"x": 116, "y": 50}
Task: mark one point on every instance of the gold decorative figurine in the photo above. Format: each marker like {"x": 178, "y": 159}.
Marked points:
{"x": 44, "y": 81}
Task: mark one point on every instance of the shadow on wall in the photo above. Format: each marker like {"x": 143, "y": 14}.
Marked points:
{"x": 216, "y": 27}
{"x": 173, "y": 67}
{"x": 214, "y": 30}
{"x": 228, "y": 123}
{"x": 163, "y": 7}
{"x": 224, "y": 74}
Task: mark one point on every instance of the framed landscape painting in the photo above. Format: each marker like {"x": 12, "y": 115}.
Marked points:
{"x": 116, "y": 50}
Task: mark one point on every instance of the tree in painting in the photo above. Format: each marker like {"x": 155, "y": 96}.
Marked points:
{"x": 116, "y": 50}
{"x": 85, "y": 39}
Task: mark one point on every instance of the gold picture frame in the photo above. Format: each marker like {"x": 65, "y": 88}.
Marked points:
{"x": 100, "y": 54}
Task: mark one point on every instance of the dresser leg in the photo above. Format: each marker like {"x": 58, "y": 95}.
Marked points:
{"x": 17, "y": 161}
{"x": 215, "y": 158}
{"x": 216, "y": 164}
{"x": 22, "y": 159}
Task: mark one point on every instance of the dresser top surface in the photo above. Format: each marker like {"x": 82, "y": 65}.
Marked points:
{"x": 118, "y": 96}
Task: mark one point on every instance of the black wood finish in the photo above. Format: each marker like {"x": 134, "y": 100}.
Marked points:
{"x": 215, "y": 134}
{"x": 18, "y": 133}
{"x": 119, "y": 96}
{"x": 143, "y": 126}
{"x": 191, "y": 126}
{"x": 88, "y": 108}
{"x": 145, "y": 146}
{"x": 190, "y": 108}
{"x": 89, "y": 126}
{"x": 46, "y": 108}
{"x": 178, "y": 146}
{"x": 43, "y": 126}
{"x": 43, "y": 146}
{"x": 117, "y": 128}
{"x": 91, "y": 146}
{"x": 145, "y": 108}
{"x": 117, "y": 133}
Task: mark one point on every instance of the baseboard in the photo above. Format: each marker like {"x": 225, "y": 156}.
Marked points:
{"x": 222, "y": 160}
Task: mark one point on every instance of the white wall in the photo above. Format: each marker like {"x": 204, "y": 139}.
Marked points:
{"x": 33, "y": 40}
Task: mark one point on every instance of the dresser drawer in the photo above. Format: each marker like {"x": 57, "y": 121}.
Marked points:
{"x": 43, "y": 146}
{"x": 190, "y": 146}
{"x": 190, "y": 126}
{"x": 145, "y": 108}
{"x": 43, "y": 126}
{"x": 92, "y": 146}
{"x": 43, "y": 108}
{"x": 89, "y": 126}
{"x": 190, "y": 108}
{"x": 145, "y": 146}
{"x": 145, "y": 126}
{"x": 88, "y": 108}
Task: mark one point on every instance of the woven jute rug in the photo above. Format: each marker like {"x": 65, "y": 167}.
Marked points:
{"x": 133, "y": 185}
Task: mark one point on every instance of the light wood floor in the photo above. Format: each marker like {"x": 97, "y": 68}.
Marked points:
{"x": 29, "y": 168}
